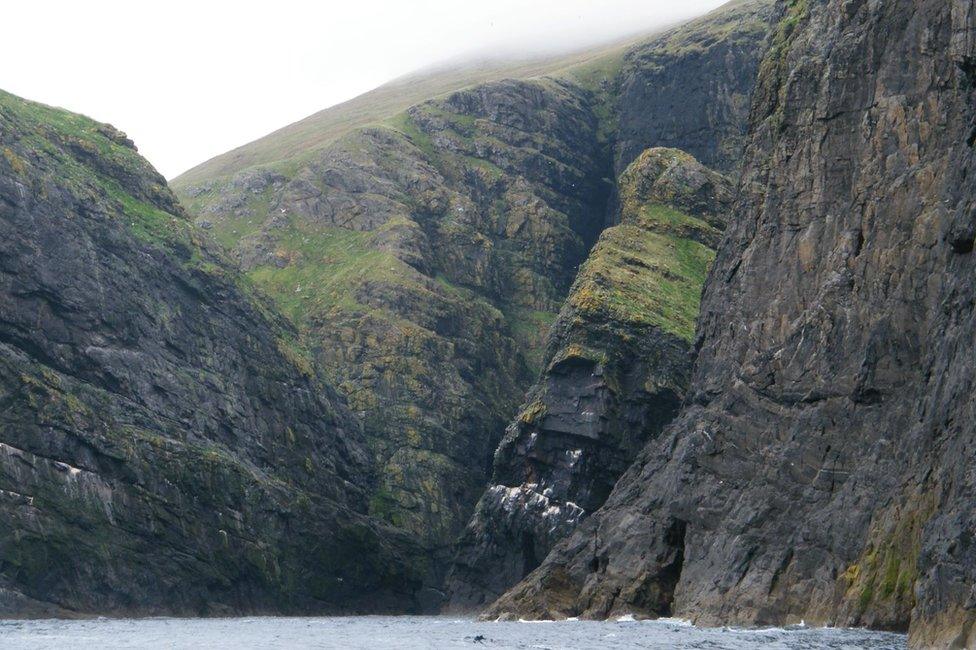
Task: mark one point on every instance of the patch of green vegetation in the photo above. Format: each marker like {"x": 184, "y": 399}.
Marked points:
{"x": 866, "y": 596}
{"x": 601, "y": 77}
{"x": 146, "y": 221}
{"x": 796, "y": 12}
{"x": 458, "y": 125}
{"x": 16, "y": 162}
{"x": 725, "y": 25}
{"x": 405, "y": 125}
{"x": 384, "y": 505}
{"x": 493, "y": 171}
{"x": 318, "y": 269}
{"x": 890, "y": 580}
{"x": 645, "y": 276}
{"x": 230, "y": 229}
{"x": 666, "y": 219}
{"x": 530, "y": 327}
{"x": 298, "y": 355}
{"x": 785, "y": 30}
{"x": 84, "y": 149}
{"x": 70, "y": 126}
{"x": 884, "y": 576}
{"x": 595, "y": 74}
{"x": 773, "y": 65}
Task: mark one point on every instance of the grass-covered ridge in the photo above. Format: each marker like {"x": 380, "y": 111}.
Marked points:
{"x": 646, "y": 273}
{"x": 95, "y": 158}
{"x": 391, "y": 99}
{"x": 649, "y": 269}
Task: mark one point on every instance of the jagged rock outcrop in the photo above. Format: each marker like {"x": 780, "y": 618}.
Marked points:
{"x": 822, "y": 468}
{"x": 425, "y": 258}
{"x": 616, "y": 368}
{"x": 165, "y": 445}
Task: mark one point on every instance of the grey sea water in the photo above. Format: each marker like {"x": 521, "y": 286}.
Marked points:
{"x": 415, "y": 632}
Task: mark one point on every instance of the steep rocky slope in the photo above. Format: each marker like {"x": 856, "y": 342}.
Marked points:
{"x": 165, "y": 444}
{"x": 822, "y": 468}
{"x": 420, "y": 259}
{"x": 690, "y": 87}
{"x": 424, "y": 258}
{"x": 615, "y": 371}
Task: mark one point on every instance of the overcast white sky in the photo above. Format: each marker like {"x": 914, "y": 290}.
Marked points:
{"x": 190, "y": 79}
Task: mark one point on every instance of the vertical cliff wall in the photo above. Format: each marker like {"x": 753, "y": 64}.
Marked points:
{"x": 166, "y": 446}
{"x": 821, "y": 469}
{"x": 690, "y": 87}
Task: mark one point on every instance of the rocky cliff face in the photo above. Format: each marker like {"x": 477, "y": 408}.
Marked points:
{"x": 690, "y": 87}
{"x": 424, "y": 259}
{"x": 616, "y": 368}
{"x": 165, "y": 444}
{"x": 821, "y": 469}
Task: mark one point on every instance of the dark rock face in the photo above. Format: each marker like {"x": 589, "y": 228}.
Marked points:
{"x": 616, "y": 368}
{"x": 822, "y": 468}
{"x": 425, "y": 259}
{"x": 422, "y": 262}
{"x": 689, "y": 88}
{"x": 165, "y": 447}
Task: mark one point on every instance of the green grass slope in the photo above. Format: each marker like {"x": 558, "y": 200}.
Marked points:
{"x": 378, "y": 105}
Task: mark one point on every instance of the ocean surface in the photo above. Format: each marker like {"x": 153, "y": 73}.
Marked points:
{"x": 408, "y": 632}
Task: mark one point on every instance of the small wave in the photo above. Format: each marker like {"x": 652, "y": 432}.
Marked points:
{"x": 756, "y": 630}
